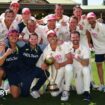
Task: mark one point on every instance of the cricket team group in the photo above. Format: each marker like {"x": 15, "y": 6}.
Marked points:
{"x": 52, "y": 51}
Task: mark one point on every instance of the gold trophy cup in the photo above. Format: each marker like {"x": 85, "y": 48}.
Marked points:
{"x": 52, "y": 85}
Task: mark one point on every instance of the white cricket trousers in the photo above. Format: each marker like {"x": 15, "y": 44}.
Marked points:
{"x": 64, "y": 77}
{"x": 82, "y": 79}
{"x": 68, "y": 76}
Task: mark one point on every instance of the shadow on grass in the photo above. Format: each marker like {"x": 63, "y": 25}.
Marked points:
{"x": 98, "y": 98}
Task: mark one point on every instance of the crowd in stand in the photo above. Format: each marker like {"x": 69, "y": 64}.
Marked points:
{"x": 25, "y": 44}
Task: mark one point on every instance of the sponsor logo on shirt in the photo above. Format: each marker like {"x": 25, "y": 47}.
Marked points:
{"x": 11, "y": 59}
{"x": 30, "y": 55}
{"x": 58, "y": 58}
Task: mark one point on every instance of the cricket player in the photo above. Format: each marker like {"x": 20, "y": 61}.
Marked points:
{"x": 19, "y": 66}
{"x": 97, "y": 31}
{"x": 51, "y": 25}
{"x": 82, "y": 25}
{"x": 15, "y": 6}
{"x": 7, "y": 24}
{"x": 81, "y": 56}
{"x": 59, "y": 14}
{"x": 62, "y": 65}
{"x": 26, "y": 15}
{"x": 31, "y": 28}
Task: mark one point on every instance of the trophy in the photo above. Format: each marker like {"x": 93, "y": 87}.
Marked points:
{"x": 49, "y": 60}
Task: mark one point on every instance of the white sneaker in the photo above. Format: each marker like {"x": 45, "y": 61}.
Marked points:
{"x": 104, "y": 88}
{"x": 101, "y": 88}
{"x": 35, "y": 94}
{"x": 94, "y": 86}
{"x": 55, "y": 94}
{"x": 65, "y": 96}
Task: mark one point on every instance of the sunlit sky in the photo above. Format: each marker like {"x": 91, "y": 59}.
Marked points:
{"x": 92, "y": 2}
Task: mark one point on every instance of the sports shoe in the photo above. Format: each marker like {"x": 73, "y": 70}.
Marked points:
{"x": 93, "y": 86}
{"x": 65, "y": 96}
{"x": 35, "y": 94}
{"x": 2, "y": 93}
{"x": 101, "y": 88}
{"x": 86, "y": 96}
{"x": 55, "y": 93}
{"x": 104, "y": 88}
{"x": 72, "y": 87}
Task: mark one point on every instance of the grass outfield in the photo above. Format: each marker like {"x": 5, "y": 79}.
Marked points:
{"x": 98, "y": 98}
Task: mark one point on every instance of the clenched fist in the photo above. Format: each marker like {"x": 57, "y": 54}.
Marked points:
{"x": 9, "y": 51}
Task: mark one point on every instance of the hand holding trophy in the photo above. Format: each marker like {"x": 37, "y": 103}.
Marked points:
{"x": 49, "y": 60}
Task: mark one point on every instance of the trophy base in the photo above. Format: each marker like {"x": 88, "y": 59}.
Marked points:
{"x": 52, "y": 87}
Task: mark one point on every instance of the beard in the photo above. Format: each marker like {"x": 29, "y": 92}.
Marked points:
{"x": 92, "y": 23}
{"x": 76, "y": 42}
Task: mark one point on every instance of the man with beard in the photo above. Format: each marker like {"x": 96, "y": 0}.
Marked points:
{"x": 97, "y": 31}
{"x": 80, "y": 56}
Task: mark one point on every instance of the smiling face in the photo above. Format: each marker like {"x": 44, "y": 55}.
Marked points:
{"x": 9, "y": 17}
{"x": 73, "y": 23}
{"x": 52, "y": 38}
{"x": 13, "y": 37}
{"x": 75, "y": 38}
{"x": 15, "y": 7}
{"x": 33, "y": 40}
{"x": 26, "y": 17}
{"x": 59, "y": 11}
{"x": 91, "y": 20}
{"x": 77, "y": 12}
{"x": 31, "y": 25}
{"x": 52, "y": 24}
